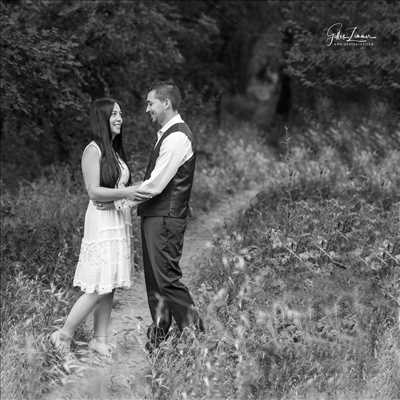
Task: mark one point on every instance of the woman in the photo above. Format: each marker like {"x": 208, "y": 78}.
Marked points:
{"x": 105, "y": 257}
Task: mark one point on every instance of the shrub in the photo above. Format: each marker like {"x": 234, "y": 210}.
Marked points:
{"x": 29, "y": 311}
{"x": 300, "y": 294}
{"x": 42, "y": 227}
{"x": 228, "y": 164}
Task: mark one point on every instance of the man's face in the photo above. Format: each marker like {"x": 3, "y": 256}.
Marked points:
{"x": 156, "y": 108}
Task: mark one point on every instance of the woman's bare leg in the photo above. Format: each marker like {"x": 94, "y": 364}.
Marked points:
{"x": 101, "y": 320}
{"x": 80, "y": 310}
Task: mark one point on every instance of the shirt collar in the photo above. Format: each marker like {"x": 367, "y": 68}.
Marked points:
{"x": 174, "y": 120}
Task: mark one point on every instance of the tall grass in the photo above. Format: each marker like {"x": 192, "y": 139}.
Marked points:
{"x": 42, "y": 226}
{"x": 301, "y": 294}
{"x": 228, "y": 162}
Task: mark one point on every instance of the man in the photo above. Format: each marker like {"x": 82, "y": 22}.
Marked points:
{"x": 167, "y": 186}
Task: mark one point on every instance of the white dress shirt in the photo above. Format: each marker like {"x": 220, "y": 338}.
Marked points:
{"x": 175, "y": 150}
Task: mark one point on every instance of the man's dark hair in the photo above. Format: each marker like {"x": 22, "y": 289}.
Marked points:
{"x": 168, "y": 90}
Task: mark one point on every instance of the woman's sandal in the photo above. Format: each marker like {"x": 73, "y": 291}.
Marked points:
{"x": 101, "y": 348}
{"x": 61, "y": 342}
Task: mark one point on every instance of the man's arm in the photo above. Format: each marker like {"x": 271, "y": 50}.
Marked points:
{"x": 174, "y": 151}
{"x": 117, "y": 204}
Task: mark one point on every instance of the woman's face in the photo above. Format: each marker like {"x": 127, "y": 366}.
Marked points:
{"x": 116, "y": 120}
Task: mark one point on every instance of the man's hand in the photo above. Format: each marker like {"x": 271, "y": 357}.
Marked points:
{"x": 131, "y": 194}
{"x": 108, "y": 205}
{"x": 134, "y": 195}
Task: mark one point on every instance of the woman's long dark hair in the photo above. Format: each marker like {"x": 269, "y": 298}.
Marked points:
{"x": 100, "y": 113}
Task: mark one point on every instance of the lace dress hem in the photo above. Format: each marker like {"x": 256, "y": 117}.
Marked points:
{"x": 101, "y": 289}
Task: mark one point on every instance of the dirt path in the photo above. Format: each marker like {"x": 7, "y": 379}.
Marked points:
{"x": 128, "y": 375}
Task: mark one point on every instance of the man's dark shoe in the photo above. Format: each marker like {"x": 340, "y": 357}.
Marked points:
{"x": 149, "y": 347}
{"x": 199, "y": 324}
{"x": 155, "y": 333}
{"x": 156, "y": 336}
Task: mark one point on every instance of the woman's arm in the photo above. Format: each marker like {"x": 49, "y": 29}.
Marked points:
{"x": 126, "y": 202}
{"x": 91, "y": 175}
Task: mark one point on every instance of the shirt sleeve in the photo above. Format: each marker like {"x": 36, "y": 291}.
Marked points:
{"x": 174, "y": 151}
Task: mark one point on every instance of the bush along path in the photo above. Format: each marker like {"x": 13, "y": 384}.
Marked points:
{"x": 130, "y": 374}
{"x": 301, "y": 293}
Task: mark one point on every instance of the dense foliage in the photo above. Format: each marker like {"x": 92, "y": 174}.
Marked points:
{"x": 317, "y": 62}
{"x": 301, "y": 292}
{"x": 57, "y": 56}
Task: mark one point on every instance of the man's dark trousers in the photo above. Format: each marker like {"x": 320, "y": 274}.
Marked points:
{"x": 162, "y": 242}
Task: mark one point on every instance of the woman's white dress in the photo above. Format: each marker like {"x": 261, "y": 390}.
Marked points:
{"x": 105, "y": 257}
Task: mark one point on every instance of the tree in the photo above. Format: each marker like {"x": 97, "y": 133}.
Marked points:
{"x": 316, "y": 63}
{"x": 57, "y": 56}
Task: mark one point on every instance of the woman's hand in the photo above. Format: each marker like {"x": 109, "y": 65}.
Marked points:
{"x": 131, "y": 193}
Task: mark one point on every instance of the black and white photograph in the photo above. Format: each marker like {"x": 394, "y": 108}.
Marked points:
{"x": 200, "y": 199}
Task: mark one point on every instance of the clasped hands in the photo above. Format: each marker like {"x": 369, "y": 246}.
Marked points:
{"x": 130, "y": 193}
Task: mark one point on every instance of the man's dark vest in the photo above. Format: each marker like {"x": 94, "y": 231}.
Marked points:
{"x": 173, "y": 201}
